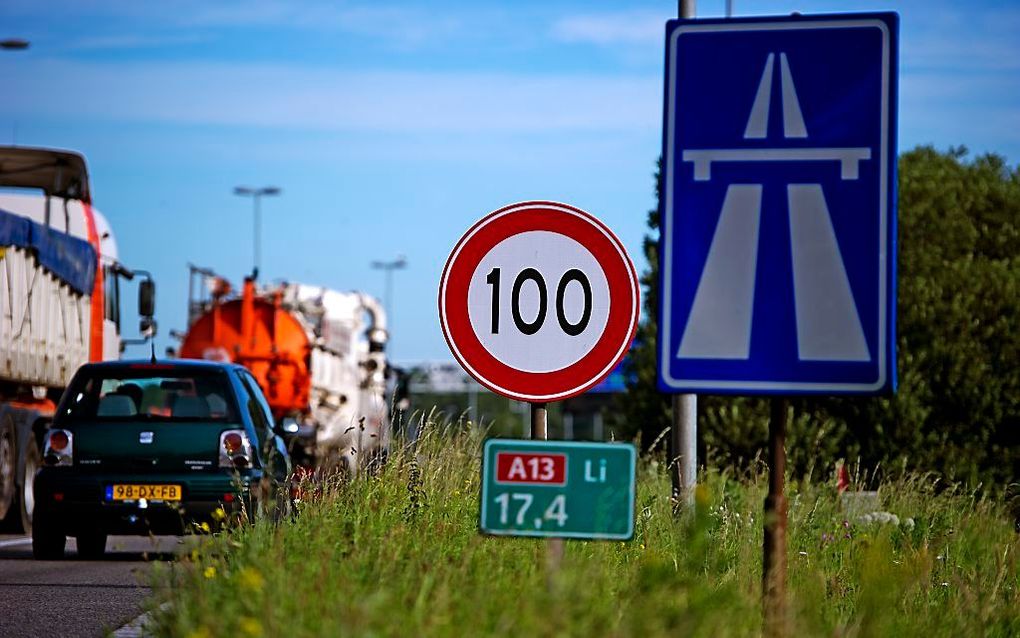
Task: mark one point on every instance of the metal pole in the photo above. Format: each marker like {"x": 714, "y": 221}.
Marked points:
{"x": 539, "y": 429}
{"x": 389, "y": 294}
{"x": 388, "y": 267}
{"x": 683, "y": 435}
{"x": 256, "y": 202}
{"x": 774, "y": 559}
{"x": 554, "y": 548}
{"x": 473, "y": 403}
{"x": 684, "y": 447}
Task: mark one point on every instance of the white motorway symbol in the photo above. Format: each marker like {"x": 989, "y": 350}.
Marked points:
{"x": 828, "y": 323}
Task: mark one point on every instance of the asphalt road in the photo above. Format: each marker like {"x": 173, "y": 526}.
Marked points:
{"x": 74, "y": 597}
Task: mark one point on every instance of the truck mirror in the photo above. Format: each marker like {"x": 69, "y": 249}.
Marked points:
{"x": 147, "y": 298}
{"x": 147, "y": 327}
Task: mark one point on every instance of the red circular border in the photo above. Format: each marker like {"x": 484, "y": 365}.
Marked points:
{"x": 594, "y": 366}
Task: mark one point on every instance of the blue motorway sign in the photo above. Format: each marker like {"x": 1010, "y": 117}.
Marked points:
{"x": 779, "y": 205}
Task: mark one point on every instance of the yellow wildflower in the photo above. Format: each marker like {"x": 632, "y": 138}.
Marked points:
{"x": 702, "y": 495}
{"x": 218, "y": 514}
{"x": 250, "y": 627}
{"x": 205, "y": 527}
{"x": 210, "y": 572}
{"x": 250, "y": 578}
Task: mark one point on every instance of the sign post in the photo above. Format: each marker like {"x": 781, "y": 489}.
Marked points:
{"x": 540, "y": 432}
{"x": 539, "y": 421}
{"x": 773, "y": 573}
{"x": 778, "y": 241}
{"x": 539, "y": 302}
{"x": 683, "y": 436}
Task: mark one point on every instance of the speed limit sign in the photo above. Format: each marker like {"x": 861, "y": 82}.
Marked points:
{"x": 539, "y": 301}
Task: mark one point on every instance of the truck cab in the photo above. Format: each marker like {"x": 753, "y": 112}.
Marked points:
{"x": 60, "y": 286}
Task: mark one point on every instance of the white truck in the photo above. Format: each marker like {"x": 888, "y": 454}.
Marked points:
{"x": 60, "y": 284}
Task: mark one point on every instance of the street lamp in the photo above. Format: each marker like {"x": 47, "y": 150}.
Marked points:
{"x": 389, "y": 266}
{"x": 256, "y": 196}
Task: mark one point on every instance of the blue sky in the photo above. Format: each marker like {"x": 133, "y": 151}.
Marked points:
{"x": 391, "y": 127}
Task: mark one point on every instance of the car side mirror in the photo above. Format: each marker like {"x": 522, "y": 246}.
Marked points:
{"x": 288, "y": 426}
{"x": 147, "y": 298}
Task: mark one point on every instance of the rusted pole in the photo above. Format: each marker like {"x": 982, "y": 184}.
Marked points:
{"x": 554, "y": 546}
{"x": 539, "y": 422}
{"x": 774, "y": 560}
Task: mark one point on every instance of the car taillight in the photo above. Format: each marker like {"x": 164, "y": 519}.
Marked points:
{"x": 232, "y": 442}
{"x": 58, "y": 440}
{"x": 58, "y": 448}
{"x": 235, "y": 449}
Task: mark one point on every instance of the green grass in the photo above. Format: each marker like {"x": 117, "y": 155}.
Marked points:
{"x": 400, "y": 555}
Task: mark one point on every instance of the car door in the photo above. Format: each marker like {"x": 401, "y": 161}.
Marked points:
{"x": 272, "y": 449}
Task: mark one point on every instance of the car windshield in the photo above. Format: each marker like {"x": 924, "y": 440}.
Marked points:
{"x": 146, "y": 392}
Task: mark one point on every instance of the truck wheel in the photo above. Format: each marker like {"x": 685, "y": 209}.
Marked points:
{"x": 8, "y": 466}
{"x": 26, "y": 499}
{"x": 91, "y": 544}
{"x": 47, "y": 541}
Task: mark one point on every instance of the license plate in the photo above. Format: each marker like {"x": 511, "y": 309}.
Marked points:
{"x": 148, "y": 492}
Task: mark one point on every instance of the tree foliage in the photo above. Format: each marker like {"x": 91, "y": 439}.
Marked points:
{"x": 957, "y": 410}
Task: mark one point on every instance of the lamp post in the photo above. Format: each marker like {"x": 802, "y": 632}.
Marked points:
{"x": 256, "y": 195}
{"x": 389, "y": 266}
{"x": 14, "y": 44}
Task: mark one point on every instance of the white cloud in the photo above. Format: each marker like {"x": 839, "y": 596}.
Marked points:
{"x": 120, "y": 22}
{"x": 321, "y": 99}
{"x": 132, "y": 41}
{"x": 402, "y": 25}
{"x": 630, "y": 27}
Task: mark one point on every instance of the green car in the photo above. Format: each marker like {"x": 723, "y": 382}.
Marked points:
{"x": 139, "y": 448}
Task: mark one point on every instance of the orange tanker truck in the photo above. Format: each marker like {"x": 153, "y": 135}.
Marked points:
{"x": 318, "y": 354}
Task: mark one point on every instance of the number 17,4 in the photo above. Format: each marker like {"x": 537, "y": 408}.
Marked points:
{"x": 557, "y": 510}
{"x": 530, "y": 328}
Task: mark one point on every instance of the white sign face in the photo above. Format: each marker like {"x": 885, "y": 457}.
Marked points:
{"x": 539, "y": 301}
{"x": 551, "y": 300}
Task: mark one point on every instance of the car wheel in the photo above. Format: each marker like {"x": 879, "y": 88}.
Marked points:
{"x": 91, "y": 544}
{"x": 47, "y": 541}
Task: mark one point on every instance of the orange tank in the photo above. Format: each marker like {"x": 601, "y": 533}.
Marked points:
{"x": 257, "y": 333}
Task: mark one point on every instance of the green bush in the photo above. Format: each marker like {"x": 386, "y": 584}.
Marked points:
{"x": 957, "y": 411}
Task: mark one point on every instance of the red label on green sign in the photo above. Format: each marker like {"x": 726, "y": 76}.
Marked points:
{"x": 531, "y": 469}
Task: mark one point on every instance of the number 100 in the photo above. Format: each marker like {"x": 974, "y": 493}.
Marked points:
{"x": 530, "y": 328}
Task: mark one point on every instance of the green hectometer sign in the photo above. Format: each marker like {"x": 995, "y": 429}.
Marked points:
{"x": 558, "y": 488}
